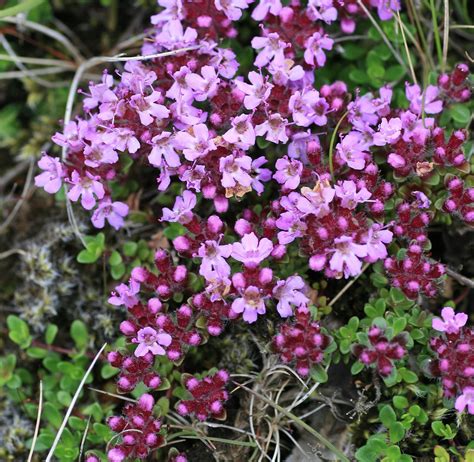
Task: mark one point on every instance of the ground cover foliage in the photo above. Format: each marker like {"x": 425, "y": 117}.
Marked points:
{"x": 236, "y": 230}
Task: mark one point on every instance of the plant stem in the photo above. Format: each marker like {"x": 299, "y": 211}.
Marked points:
{"x": 331, "y": 144}
{"x": 437, "y": 38}
{"x": 301, "y": 423}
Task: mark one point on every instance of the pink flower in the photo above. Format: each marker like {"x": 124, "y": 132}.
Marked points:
{"x": 173, "y": 36}
{"x": 147, "y": 107}
{"x": 235, "y": 171}
{"x": 289, "y": 293}
{"x": 206, "y": 86}
{"x": 345, "y": 258}
{"x": 451, "y": 322}
{"x": 116, "y": 455}
{"x": 349, "y": 195}
{"x": 275, "y": 129}
{"x": 163, "y": 149}
{"x": 266, "y": 6}
{"x": 173, "y": 9}
{"x": 308, "y": 107}
{"x": 256, "y": 93}
{"x": 385, "y": 8}
{"x": 261, "y": 175}
{"x": 423, "y": 101}
{"x": 352, "y": 150}
{"x": 86, "y": 187}
{"x": 231, "y": 8}
{"x": 125, "y": 295}
{"x": 314, "y": 54}
{"x": 322, "y": 10}
{"x": 288, "y": 172}
{"x": 283, "y": 70}
{"x": 422, "y": 200}
{"x": 376, "y": 240}
{"x": 251, "y": 304}
{"x": 149, "y": 340}
{"x": 316, "y": 201}
{"x": 242, "y": 133}
{"x": 114, "y": 212}
{"x": 195, "y": 145}
{"x": 269, "y": 47}
{"x": 51, "y": 178}
{"x": 389, "y": 131}
{"x": 182, "y": 210}
{"x": 465, "y": 399}
{"x": 100, "y": 93}
{"x": 251, "y": 251}
{"x": 213, "y": 260}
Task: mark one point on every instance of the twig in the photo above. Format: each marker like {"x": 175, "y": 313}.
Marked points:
{"x": 38, "y": 422}
{"x": 301, "y": 423}
{"x": 445, "y": 36}
{"x": 347, "y": 286}
{"x": 39, "y": 61}
{"x": 83, "y": 441}
{"x": 20, "y": 201}
{"x": 460, "y": 278}
{"x": 124, "y": 398}
{"x": 71, "y": 406}
{"x": 383, "y": 35}
{"x": 9, "y": 253}
{"x": 407, "y": 51}
{"x": 434, "y": 20}
{"x": 49, "y": 32}
{"x": 13, "y": 172}
{"x": 20, "y": 8}
{"x": 32, "y": 74}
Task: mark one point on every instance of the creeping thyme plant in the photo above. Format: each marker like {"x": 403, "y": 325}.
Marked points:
{"x": 271, "y": 193}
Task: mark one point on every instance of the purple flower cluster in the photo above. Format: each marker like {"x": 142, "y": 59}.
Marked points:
{"x": 454, "y": 363}
{"x": 343, "y": 181}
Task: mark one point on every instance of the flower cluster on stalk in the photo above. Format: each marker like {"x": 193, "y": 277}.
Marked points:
{"x": 313, "y": 157}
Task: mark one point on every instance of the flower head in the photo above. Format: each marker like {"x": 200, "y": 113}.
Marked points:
{"x": 251, "y": 251}
{"x": 451, "y": 322}
{"x": 149, "y": 340}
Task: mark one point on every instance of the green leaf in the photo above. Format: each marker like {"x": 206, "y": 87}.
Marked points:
{"x": 400, "y": 402}
{"x": 358, "y": 76}
{"x": 319, "y": 374}
{"x": 79, "y": 334}
{"x": 115, "y": 258}
{"x": 173, "y": 230}
{"x": 64, "y": 398}
{"x": 7, "y": 366}
{"x": 398, "y": 325}
{"x": 353, "y": 52}
{"x": 37, "y": 353}
{"x": 376, "y": 71}
{"x": 76, "y": 423}
{"x": 408, "y": 376}
{"x": 108, "y": 371}
{"x": 396, "y": 432}
{"x": 387, "y": 415}
{"x": 118, "y": 271}
{"x": 164, "y": 405}
{"x": 51, "y": 415}
{"x": 460, "y": 113}
{"x": 395, "y": 72}
{"x": 50, "y": 333}
{"x": 356, "y": 367}
{"x": 19, "y": 331}
{"x": 130, "y": 248}
{"x": 87, "y": 257}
